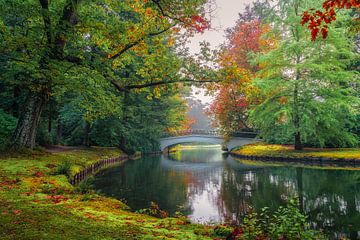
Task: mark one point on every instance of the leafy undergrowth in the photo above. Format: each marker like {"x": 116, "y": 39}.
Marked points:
{"x": 274, "y": 150}
{"x": 36, "y": 202}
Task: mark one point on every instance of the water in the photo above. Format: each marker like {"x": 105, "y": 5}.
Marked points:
{"x": 208, "y": 186}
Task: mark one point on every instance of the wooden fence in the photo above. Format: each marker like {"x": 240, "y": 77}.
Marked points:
{"x": 93, "y": 168}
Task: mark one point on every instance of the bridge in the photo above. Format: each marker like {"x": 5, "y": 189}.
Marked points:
{"x": 205, "y": 136}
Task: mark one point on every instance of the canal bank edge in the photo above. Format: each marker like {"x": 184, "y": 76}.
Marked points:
{"x": 303, "y": 160}
{"x": 103, "y": 163}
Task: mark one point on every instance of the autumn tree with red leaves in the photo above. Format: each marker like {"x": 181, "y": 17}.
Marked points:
{"x": 230, "y": 106}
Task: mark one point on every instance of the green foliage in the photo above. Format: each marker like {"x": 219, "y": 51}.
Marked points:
{"x": 64, "y": 168}
{"x": 77, "y": 59}
{"x": 307, "y": 87}
{"x": 86, "y": 187}
{"x": 222, "y": 230}
{"x": 7, "y": 126}
{"x": 285, "y": 223}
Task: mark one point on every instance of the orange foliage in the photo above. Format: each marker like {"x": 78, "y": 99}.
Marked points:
{"x": 231, "y": 102}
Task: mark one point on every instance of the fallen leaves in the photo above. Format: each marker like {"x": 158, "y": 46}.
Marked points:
{"x": 57, "y": 198}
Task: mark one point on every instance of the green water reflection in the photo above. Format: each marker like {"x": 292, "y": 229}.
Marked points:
{"x": 208, "y": 186}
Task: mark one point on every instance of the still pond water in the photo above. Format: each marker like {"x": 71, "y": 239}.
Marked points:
{"x": 210, "y": 187}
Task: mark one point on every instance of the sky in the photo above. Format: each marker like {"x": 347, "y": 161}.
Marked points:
{"x": 224, "y": 17}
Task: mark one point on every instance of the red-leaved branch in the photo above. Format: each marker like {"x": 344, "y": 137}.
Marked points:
{"x": 318, "y": 21}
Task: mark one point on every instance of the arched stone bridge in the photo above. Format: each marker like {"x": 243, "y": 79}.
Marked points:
{"x": 210, "y": 137}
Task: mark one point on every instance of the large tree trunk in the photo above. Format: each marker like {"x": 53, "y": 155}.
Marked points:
{"x": 25, "y": 133}
{"x": 298, "y": 144}
{"x": 29, "y": 117}
{"x": 296, "y": 113}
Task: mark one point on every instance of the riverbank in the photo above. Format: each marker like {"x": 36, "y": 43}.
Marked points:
{"x": 276, "y": 152}
{"x": 38, "y": 202}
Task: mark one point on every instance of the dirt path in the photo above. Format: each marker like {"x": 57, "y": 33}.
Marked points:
{"x": 58, "y": 148}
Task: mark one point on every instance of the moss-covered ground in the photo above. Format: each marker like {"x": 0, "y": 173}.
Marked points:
{"x": 275, "y": 150}
{"x": 36, "y": 203}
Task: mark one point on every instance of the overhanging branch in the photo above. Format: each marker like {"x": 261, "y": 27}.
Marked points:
{"x": 133, "y": 44}
{"x": 152, "y": 84}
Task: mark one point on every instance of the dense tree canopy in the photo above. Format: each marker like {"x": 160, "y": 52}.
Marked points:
{"x": 66, "y": 58}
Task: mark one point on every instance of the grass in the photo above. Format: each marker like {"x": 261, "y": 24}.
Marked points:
{"x": 36, "y": 203}
{"x": 274, "y": 150}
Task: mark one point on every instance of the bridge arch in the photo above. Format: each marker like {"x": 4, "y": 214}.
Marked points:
{"x": 232, "y": 143}
{"x": 171, "y": 141}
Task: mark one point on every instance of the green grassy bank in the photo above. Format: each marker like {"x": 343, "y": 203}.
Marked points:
{"x": 276, "y": 150}
{"x": 37, "y": 203}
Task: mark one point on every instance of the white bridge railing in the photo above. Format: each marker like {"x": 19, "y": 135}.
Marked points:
{"x": 193, "y": 132}
{"x": 244, "y": 134}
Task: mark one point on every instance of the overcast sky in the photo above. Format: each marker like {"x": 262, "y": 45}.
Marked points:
{"x": 224, "y": 17}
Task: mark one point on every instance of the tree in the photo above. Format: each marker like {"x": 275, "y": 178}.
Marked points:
{"x": 42, "y": 40}
{"x": 231, "y": 104}
{"x": 307, "y": 87}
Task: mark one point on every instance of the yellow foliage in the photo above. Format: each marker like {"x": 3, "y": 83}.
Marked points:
{"x": 262, "y": 149}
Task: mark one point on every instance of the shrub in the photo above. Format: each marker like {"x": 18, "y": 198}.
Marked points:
{"x": 86, "y": 186}
{"x": 154, "y": 210}
{"x": 222, "y": 231}
{"x": 286, "y": 223}
{"x": 64, "y": 168}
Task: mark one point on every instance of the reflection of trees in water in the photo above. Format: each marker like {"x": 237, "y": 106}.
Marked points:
{"x": 143, "y": 181}
{"x": 256, "y": 188}
{"x": 331, "y": 199}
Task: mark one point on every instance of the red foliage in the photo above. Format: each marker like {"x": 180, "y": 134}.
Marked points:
{"x": 17, "y": 212}
{"x": 196, "y": 23}
{"x": 318, "y": 20}
{"x": 245, "y": 39}
{"x": 230, "y": 101}
{"x": 235, "y": 234}
{"x": 57, "y": 198}
{"x": 39, "y": 174}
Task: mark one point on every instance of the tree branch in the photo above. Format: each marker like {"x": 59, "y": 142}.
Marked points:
{"x": 133, "y": 44}
{"x": 47, "y": 20}
{"x": 67, "y": 21}
{"x": 152, "y": 84}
